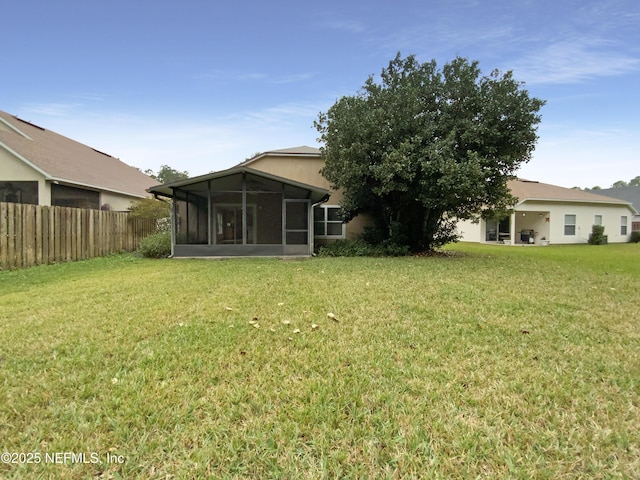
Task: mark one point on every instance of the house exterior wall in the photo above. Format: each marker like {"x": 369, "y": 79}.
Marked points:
{"x": 471, "y": 231}
{"x": 117, "y": 202}
{"x": 585, "y": 218}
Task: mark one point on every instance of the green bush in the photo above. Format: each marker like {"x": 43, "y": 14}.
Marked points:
{"x": 360, "y": 248}
{"x": 635, "y": 237}
{"x": 597, "y": 236}
{"x": 156, "y": 245}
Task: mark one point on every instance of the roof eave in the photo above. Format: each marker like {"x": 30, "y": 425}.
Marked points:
{"x": 564, "y": 200}
{"x": 94, "y": 187}
{"x": 166, "y": 188}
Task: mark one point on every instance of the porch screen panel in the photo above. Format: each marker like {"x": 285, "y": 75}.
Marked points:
{"x": 66, "y": 196}
{"x": 268, "y": 217}
{"x": 297, "y": 226}
{"x": 191, "y": 219}
{"x": 226, "y": 208}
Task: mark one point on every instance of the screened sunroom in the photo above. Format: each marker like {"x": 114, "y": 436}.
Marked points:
{"x": 241, "y": 212}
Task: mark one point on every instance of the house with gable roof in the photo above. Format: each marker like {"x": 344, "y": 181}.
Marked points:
{"x": 549, "y": 214}
{"x": 41, "y": 167}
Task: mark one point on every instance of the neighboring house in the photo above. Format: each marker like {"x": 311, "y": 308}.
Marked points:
{"x": 551, "y": 214}
{"x": 628, "y": 194}
{"x": 41, "y": 167}
{"x": 241, "y": 211}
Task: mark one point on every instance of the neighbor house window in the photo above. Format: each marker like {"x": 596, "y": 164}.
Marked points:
{"x": 623, "y": 225}
{"x": 66, "y": 196}
{"x": 597, "y": 220}
{"x": 570, "y": 225}
{"x": 327, "y": 223}
{"x": 19, "y": 192}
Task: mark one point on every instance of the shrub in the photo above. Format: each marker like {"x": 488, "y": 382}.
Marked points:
{"x": 156, "y": 245}
{"x": 635, "y": 237}
{"x": 597, "y": 236}
{"x": 361, "y": 248}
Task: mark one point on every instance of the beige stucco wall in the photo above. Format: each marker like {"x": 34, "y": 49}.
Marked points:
{"x": 298, "y": 168}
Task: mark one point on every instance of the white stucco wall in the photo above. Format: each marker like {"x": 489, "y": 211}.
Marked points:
{"x": 585, "y": 218}
{"x": 535, "y": 218}
{"x": 117, "y": 202}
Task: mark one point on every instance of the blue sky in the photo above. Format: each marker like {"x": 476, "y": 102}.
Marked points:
{"x": 200, "y": 85}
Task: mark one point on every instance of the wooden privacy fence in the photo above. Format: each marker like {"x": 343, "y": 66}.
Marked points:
{"x": 33, "y": 234}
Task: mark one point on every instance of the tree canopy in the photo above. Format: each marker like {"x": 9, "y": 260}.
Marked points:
{"x": 425, "y": 147}
{"x": 167, "y": 174}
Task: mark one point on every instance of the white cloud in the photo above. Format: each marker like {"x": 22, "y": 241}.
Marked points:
{"x": 574, "y": 60}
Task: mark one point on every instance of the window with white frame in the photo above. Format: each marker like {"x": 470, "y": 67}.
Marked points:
{"x": 597, "y": 220}
{"x": 623, "y": 225}
{"x": 570, "y": 225}
{"x": 327, "y": 223}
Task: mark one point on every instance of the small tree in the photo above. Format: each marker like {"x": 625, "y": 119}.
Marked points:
{"x": 597, "y": 236}
{"x": 425, "y": 147}
{"x": 149, "y": 208}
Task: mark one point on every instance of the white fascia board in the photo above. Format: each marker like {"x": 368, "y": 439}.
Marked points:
{"x": 15, "y": 129}
{"x": 93, "y": 187}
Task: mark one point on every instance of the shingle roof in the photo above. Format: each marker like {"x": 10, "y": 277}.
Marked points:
{"x": 531, "y": 190}
{"x": 629, "y": 194}
{"x": 302, "y": 151}
{"x": 62, "y": 159}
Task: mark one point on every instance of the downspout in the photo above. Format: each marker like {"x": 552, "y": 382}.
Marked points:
{"x": 174, "y": 225}
{"x": 311, "y": 232}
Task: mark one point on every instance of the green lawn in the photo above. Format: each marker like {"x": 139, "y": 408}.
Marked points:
{"x": 492, "y": 361}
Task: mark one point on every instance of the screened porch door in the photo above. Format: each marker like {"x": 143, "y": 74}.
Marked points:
{"x": 228, "y": 223}
{"x": 296, "y": 227}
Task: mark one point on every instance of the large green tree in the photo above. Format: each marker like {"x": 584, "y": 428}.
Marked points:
{"x": 424, "y": 147}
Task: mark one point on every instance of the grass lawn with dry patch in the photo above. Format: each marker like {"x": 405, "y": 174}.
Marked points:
{"x": 489, "y": 362}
